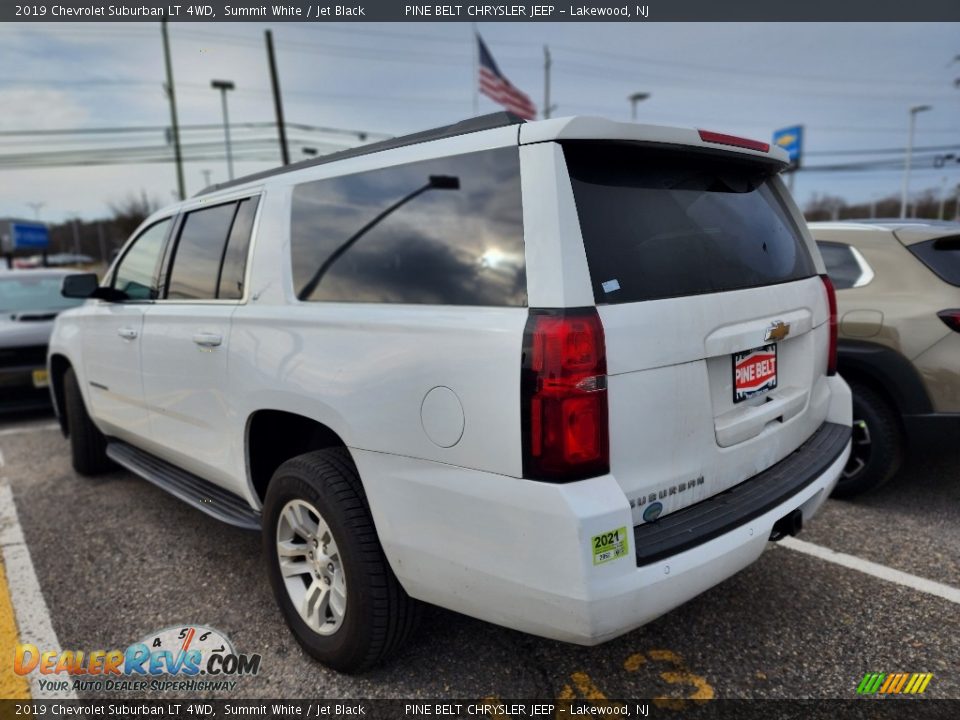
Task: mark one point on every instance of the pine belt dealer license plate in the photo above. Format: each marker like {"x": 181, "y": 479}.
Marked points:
{"x": 754, "y": 372}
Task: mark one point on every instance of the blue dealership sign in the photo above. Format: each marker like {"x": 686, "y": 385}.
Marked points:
{"x": 791, "y": 140}
{"x": 32, "y": 236}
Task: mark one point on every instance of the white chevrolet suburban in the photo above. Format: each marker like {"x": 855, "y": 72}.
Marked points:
{"x": 562, "y": 376}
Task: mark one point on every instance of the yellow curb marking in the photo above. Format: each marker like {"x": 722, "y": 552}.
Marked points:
{"x": 12, "y": 686}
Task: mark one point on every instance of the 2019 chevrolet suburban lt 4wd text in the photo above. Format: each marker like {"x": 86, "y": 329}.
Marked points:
{"x": 562, "y": 376}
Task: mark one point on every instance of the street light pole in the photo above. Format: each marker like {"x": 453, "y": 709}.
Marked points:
{"x": 634, "y": 99}
{"x": 905, "y": 190}
{"x": 223, "y": 86}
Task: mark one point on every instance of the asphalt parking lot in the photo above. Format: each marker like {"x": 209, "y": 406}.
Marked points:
{"x": 116, "y": 558}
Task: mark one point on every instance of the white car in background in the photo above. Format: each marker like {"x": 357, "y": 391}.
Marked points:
{"x": 562, "y": 376}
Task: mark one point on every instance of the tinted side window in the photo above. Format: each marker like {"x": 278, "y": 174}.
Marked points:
{"x": 136, "y": 275}
{"x": 446, "y": 231}
{"x": 667, "y": 223}
{"x": 942, "y": 256}
{"x": 842, "y": 265}
{"x": 235, "y": 256}
{"x": 196, "y": 262}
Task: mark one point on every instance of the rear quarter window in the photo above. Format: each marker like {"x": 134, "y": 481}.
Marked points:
{"x": 845, "y": 266}
{"x": 941, "y": 255}
{"x": 447, "y": 231}
{"x": 665, "y": 223}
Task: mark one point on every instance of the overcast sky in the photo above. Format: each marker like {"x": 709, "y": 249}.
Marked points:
{"x": 849, "y": 84}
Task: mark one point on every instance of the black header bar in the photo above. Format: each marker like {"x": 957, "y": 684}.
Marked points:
{"x": 509, "y": 11}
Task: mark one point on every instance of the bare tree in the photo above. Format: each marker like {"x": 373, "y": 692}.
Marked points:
{"x": 824, "y": 207}
{"x": 132, "y": 210}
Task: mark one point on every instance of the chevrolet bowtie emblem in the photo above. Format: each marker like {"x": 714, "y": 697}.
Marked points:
{"x": 777, "y": 331}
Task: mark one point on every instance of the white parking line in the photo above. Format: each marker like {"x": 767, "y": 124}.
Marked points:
{"x": 29, "y": 428}
{"x": 930, "y": 587}
{"x": 32, "y": 615}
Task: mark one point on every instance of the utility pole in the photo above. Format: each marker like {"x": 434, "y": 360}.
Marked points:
{"x": 277, "y": 102}
{"x": 103, "y": 243}
{"x": 905, "y": 190}
{"x": 547, "y": 64}
{"x": 76, "y": 235}
{"x": 171, "y": 93}
{"x": 223, "y": 86}
{"x": 35, "y": 206}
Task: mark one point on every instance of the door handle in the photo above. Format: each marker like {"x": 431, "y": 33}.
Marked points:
{"x": 127, "y": 333}
{"x": 205, "y": 339}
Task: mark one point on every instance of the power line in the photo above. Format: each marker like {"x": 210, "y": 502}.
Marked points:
{"x": 196, "y": 126}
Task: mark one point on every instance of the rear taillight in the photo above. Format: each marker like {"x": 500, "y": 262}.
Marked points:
{"x": 563, "y": 392}
{"x": 832, "y": 305}
{"x": 951, "y": 318}
{"x": 722, "y": 139}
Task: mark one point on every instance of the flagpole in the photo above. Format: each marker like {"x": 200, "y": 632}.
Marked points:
{"x": 546, "y": 82}
{"x": 476, "y": 70}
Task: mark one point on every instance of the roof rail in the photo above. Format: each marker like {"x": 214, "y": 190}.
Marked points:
{"x": 471, "y": 125}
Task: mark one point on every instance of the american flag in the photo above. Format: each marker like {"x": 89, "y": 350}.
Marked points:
{"x": 495, "y": 86}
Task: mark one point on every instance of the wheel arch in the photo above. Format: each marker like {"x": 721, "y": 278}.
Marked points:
{"x": 59, "y": 364}
{"x": 887, "y": 371}
{"x": 275, "y": 436}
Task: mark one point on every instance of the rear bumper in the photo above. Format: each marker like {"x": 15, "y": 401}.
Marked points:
{"x": 519, "y": 553}
{"x": 660, "y": 586}
{"x": 726, "y": 511}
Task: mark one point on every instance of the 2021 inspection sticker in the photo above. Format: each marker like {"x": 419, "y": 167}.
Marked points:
{"x": 609, "y": 545}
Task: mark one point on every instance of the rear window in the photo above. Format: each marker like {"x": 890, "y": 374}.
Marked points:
{"x": 447, "y": 231}
{"x": 662, "y": 223}
{"x": 942, "y": 256}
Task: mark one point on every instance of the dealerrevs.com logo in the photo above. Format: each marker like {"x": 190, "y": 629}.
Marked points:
{"x": 190, "y": 658}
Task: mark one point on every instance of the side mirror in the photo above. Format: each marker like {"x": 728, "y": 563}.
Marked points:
{"x": 86, "y": 285}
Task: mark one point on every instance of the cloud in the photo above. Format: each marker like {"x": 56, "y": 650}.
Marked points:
{"x": 39, "y": 108}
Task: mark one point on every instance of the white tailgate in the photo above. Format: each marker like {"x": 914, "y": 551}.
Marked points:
{"x": 676, "y": 435}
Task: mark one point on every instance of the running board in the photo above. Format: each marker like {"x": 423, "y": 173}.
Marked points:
{"x": 204, "y": 496}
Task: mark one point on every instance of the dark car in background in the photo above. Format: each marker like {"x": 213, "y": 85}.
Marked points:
{"x": 29, "y": 302}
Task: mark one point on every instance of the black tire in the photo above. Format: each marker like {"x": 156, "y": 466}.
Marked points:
{"x": 877, "y": 449}
{"x": 88, "y": 446}
{"x": 379, "y": 615}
